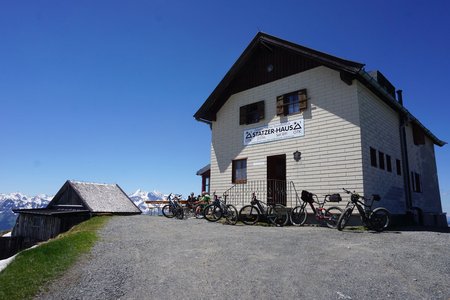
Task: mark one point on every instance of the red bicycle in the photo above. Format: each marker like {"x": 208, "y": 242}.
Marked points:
{"x": 328, "y": 216}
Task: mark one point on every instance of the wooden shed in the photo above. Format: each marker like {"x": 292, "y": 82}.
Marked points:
{"x": 74, "y": 203}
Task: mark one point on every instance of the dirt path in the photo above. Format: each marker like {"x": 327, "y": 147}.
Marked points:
{"x": 144, "y": 257}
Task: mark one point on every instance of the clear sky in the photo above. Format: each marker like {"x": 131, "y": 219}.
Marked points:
{"x": 105, "y": 91}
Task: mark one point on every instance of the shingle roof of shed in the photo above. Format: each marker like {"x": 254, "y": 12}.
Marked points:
{"x": 109, "y": 198}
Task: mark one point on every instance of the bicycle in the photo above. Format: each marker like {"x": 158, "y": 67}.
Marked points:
{"x": 218, "y": 209}
{"x": 327, "y": 216}
{"x": 377, "y": 219}
{"x": 193, "y": 209}
{"x": 174, "y": 208}
{"x": 275, "y": 214}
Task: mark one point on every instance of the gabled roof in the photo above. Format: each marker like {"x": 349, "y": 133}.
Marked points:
{"x": 312, "y": 58}
{"x": 96, "y": 197}
{"x": 299, "y": 59}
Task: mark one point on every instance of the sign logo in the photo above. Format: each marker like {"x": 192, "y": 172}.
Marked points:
{"x": 274, "y": 132}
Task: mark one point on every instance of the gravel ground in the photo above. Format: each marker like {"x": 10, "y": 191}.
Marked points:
{"x": 143, "y": 257}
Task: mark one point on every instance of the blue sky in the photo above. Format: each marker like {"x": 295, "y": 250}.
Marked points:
{"x": 105, "y": 91}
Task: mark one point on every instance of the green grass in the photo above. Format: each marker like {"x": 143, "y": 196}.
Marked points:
{"x": 32, "y": 269}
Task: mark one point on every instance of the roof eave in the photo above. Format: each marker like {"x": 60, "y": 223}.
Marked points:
{"x": 372, "y": 84}
{"x": 204, "y": 114}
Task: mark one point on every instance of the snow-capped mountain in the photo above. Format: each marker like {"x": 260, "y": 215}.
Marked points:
{"x": 11, "y": 201}
{"x": 140, "y": 196}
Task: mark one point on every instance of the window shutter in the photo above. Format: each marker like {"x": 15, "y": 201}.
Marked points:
{"x": 280, "y": 105}
{"x": 303, "y": 100}
{"x": 261, "y": 110}
{"x": 243, "y": 115}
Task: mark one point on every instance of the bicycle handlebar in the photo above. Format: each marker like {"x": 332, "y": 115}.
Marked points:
{"x": 375, "y": 197}
{"x": 354, "y": 193}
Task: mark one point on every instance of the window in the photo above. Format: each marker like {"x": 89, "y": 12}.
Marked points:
{"x": 207, "y": 184}
{"x": 388, "y": 163}
{"x": 416, "y": 184}
{"x": 373, "y": 157}
{"x": 239, "y": 171}
{"x": 251, "y": 113}
{"x": 292, "y": 103}
{"x": 399, "y": 166}
{"x": 381, "y": 159}
{"x": 418, "y": 135}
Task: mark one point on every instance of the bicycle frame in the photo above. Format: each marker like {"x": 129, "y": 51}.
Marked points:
{"x": 262, "y": 207}
{"x": 360, "y": 206}
{"x": 318, "y": 212}
{"x": 363, "y": 209}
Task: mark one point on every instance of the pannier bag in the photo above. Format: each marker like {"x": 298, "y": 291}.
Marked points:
{"x": 335, "y": 198}
{"x": 307, "y": 196}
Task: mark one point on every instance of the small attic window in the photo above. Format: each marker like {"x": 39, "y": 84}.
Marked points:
{"x": 251, "y": 113}
{"x": 418, "y": 135}
{"x": 292, "y": 103}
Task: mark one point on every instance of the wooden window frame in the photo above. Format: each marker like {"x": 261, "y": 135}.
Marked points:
{"x": 234, "y": 169}
{"x": 251, "y": 113}
{"x": 284, "y": 102}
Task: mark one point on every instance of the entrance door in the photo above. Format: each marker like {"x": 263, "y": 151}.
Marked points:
{"x": 276, "y": 179}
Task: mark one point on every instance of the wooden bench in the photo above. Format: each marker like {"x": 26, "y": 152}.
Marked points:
{"x": 164, "y": 202}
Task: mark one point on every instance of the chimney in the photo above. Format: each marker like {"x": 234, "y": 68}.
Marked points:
{"x": 400, "y": 97}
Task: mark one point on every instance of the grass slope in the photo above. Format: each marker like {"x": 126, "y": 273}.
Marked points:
{"x": 31, "y": 269}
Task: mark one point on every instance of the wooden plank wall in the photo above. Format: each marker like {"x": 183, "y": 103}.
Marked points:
{"x": 44, "y": 227}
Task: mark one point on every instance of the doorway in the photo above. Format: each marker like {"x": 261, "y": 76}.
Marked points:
{"x": 276, "y": 179}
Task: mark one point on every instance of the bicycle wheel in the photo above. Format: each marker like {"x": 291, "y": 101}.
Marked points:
{"x": 299, "y": 215}
{"x": 168, "y": 211}
{"x": 179, "y": 213}
{"x": 332, "y": 215}
{"x": 343, "y": 219}
{"x": 278, "y": 215}
{"x": 188, "y": 212}
{"x": 232, "y": 214}
{"x": 379, "y": 219}
{"x": 198, "y": 213}
{"x": 212, "y": 213}
{"x": 249, "y": 214}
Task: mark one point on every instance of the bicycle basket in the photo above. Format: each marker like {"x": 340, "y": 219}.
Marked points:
{"x": 307, "y": 196}
{"x": 335, "y": 198}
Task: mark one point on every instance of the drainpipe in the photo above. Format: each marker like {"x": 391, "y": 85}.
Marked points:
{"x": 404, "y": 150}
{"x": 205, "y": 121}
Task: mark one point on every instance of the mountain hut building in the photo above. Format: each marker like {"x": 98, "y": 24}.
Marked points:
{"x": 287, "y": 118}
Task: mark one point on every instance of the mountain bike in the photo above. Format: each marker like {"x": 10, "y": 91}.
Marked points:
{"x": 218, "y": 209}
{"x": 275, "y": 214}
{"x": 328, "y": 216}
{"x": 193, "y": 209}
{"x": 377, "y": 219}
{"x": 174, "y": 208}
